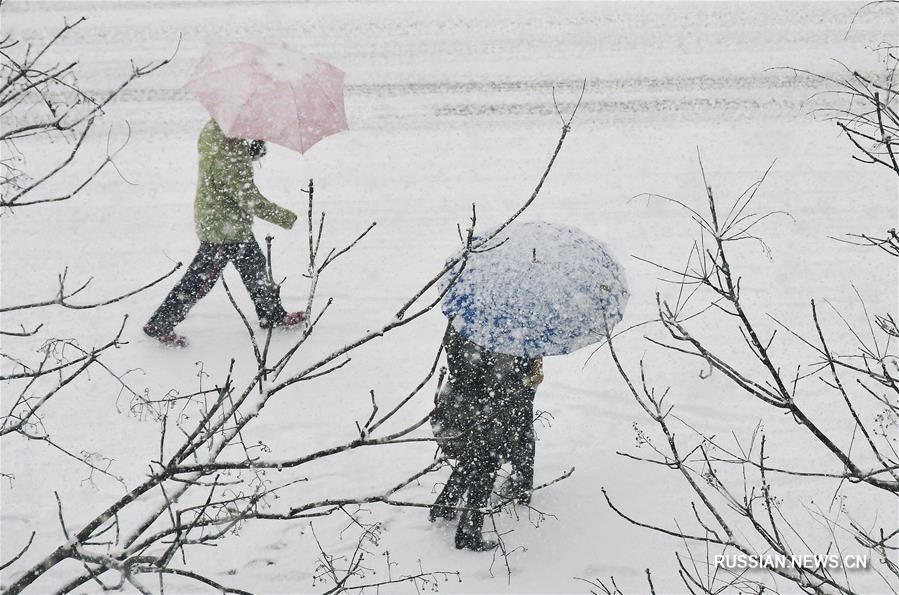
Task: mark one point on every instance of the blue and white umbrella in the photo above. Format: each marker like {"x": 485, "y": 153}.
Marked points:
{"x": 537, "y": 289}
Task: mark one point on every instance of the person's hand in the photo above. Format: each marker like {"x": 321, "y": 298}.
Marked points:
{"x": 536, "y": 375}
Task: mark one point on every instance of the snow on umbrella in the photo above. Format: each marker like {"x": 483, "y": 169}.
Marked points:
{"x": 543, "y": 289}
{"x": 270, "y": 93}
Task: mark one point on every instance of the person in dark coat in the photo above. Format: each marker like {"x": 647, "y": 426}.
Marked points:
{"x": 226, "y": 203}
{"x": 485, "y": 415}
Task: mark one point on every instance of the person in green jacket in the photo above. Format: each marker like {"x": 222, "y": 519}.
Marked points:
{"x": 226, "y": 203}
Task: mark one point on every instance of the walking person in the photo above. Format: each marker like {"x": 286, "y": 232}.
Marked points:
{"x": 528, "y": 290}
{"x": 226, "y": 203}
{"x": 488, "y": 410}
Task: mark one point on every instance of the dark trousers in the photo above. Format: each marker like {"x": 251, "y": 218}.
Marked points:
{"x": 202, "y": 275}
{"x": 473, "y": 476}
{"x": 504, "y": 432}
{"x": 522, "y": 440}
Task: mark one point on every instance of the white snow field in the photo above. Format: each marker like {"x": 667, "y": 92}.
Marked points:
{"x": 451, "y": 104}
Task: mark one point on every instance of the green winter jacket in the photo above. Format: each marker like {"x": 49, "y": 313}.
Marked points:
{"x": 227, "y": 198}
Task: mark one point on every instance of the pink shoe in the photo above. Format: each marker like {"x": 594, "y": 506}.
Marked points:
{"x": 172, "y": 340}
{"x": 290, "y": 319}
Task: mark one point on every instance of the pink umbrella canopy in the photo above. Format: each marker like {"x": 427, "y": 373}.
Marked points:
{"x": 270, "y": 93}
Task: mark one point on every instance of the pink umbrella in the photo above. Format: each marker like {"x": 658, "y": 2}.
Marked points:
{"x": 270, "y": 93}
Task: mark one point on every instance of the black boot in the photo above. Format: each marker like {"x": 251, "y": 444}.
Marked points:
{"x": 468, "y": 534}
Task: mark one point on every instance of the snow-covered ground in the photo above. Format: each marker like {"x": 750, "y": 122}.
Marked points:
{"x": 448, "y": 104}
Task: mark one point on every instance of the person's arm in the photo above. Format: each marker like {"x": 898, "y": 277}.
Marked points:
{"x": 237, "y": 180}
